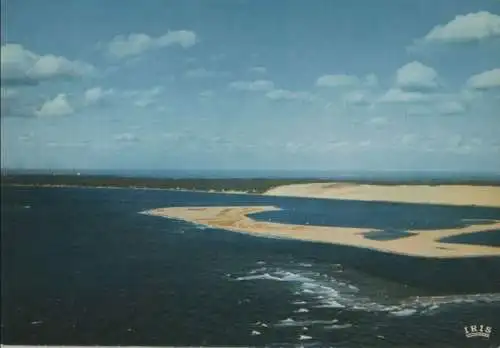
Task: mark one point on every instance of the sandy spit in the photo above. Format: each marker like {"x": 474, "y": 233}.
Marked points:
{"x": 423, "y": 243}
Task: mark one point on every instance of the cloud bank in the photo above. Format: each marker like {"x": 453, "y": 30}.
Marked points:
{"x": 20, "y": 66}
{"x": 135, "y": 44}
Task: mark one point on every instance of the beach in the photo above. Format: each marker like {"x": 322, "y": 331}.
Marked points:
{"x": 465, "y": 195}
{"x": 420, "y": 243}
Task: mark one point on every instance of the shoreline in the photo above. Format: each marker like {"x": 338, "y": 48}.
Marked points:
{"x": 456, "y": 194}
{"x": 423, "y": 243}
{"x": 127, "y": 188}
{"x": 446, "y": 194}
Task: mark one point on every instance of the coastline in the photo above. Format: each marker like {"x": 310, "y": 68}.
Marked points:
{"x": 459, "y": 195}
{"x": 111, "y": 187}
{"x": 421, "y": 243}
{"x": 442, "y": 194}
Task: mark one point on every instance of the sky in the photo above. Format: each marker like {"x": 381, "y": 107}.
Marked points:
{"x": 251, "y": 84}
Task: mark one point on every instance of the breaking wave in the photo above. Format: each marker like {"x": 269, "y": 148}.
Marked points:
{"x": 319, "y": 290}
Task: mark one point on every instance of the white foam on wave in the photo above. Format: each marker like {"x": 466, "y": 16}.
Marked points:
{"x": 330, "y": 304}
{"x": 303, "y": 264}
{"x": 404, "y": 312}
{"x": 319, "y": 290}
{"x": 265, "y": 276}
{"x": 302, "y": 310}
{"x": 289, "y": 322}
{"x": 338, "y": 327}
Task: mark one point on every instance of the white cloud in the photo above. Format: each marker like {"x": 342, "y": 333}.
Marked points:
{"x": 485, "y": 80}
{"x": 204, "y": 73}
{"x": 258, "y": 85}
{"x": 21, "y": 66}
{"x": 337, "y": 81}
{"x": 396, "y": 95}
{"x": 416, "y": 76}
{"x": 258, "y": 69}
{"x": 135, "y": 44}
{"x": 59, "y": 106}
{"x": 466, "y": 28}
{"x": 282, "y": 94}
{"x": 96, "y": 95}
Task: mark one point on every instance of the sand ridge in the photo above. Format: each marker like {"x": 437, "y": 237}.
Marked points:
{"x": 464, "y": 195}
{"x": 424, "y": 243}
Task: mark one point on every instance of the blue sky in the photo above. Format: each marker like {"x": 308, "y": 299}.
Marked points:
{"x": 316, "y": 85}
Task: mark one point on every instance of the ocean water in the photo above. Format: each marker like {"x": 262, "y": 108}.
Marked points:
{"x": 84, "y": 267}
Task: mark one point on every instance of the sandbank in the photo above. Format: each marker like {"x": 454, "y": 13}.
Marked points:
{"x": 424, "y": 243}
{"x": 465, "y": 195}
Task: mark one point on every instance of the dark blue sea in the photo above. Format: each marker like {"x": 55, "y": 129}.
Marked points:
{"x": 85, "y": 267}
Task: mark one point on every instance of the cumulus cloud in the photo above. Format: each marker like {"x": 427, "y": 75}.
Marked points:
{"x": 96, "y": 95}
{"x": 396, "y": 95}
{"x": 59, "y": 106}
{"x": 486, "y": 80}
{"x": 466, "y": 28}
{"x": 282, "y": 94}
{"x": 257, "y": 85}
{"x": 416, "y": 76}
{"x": 135, "y": 44}
{"x": 20, "y": 66}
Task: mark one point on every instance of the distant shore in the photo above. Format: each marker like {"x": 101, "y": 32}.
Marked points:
{"x": 463, "y": 195}
{"x": 485, "y": 194}
{"x": 423, "y": 243}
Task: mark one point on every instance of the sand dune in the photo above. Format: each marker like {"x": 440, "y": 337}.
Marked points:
{"x": 423, "y": 243}
{"x": 487, "y": 196}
